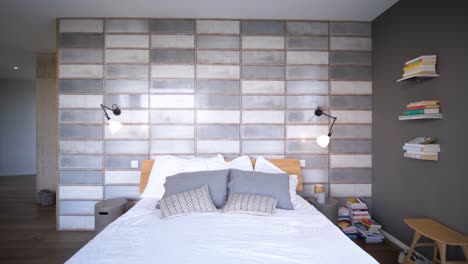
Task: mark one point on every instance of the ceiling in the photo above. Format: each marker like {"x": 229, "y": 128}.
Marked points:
{"x": 28, "y": 26}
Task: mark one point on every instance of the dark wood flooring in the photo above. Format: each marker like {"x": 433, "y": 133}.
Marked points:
{"x": 27, "y": 230}
{"x": 384, "y": 253}
{"x": 28, "y": 235}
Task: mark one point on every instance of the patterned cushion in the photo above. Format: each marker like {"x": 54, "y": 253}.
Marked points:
{"x": 216, "y": 180}
{"x": 251, "y": 204}
{"x": 195, "y": 201}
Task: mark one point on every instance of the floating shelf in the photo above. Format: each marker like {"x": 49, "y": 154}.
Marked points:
{"x": 428, "y": 159}
{"x": 419, "y": 76}
{"x": 424, "y": 116}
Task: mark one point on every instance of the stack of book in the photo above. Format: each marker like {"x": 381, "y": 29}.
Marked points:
{"x": 421, "y": 109}
{"x": 422, "y": 148}
{"x": 421, "y": 66}
{"x": 369, "y": 230}
{"x": 361, "y": 220}
{"x": 344, "y": 223}
{"x": 358, "y": 210}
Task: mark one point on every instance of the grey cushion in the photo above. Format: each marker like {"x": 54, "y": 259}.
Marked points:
{"x": 216, "y": 181}
{"x": 251, "y": 204}
{"x": 268, "y": 184}
{"x": 186, "y": 203}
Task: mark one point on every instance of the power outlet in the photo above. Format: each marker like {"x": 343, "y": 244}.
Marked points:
{"x": 134, "y": 164}
{"x": 303, "y": 163}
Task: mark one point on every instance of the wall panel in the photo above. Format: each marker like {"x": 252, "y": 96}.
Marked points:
{"x": 200, "y": 87}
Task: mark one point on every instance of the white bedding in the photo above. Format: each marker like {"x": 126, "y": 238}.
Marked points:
{"x": 303, "y": 235}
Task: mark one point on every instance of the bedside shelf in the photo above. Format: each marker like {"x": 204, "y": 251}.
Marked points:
{"x": 425, "y": 116}
{"x": 419, "y": 76}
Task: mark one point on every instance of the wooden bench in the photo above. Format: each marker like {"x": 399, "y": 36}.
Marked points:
{"x": 442, "y": 236}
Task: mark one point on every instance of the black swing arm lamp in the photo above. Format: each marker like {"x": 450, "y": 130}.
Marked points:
{"x": 324, "y": 140}
{"x": 114, "y": 126}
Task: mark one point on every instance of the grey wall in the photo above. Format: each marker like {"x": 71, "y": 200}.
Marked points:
{"x": 404, "y": 188}
{"x": 46, "y": 107}
{"x": 17, "y": 127}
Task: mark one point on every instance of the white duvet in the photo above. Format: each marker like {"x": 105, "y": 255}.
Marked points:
{"x": 303, "y": 235}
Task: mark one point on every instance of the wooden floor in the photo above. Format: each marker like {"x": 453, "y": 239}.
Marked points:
{"x": 27, "y": 230}
{"x": 28, "y": 235}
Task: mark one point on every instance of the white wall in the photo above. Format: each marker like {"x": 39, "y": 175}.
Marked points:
{"x": 17, "y": 127}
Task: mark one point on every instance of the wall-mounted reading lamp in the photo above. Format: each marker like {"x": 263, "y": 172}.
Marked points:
{"x": 324, "y": 140}
{"x": 114, "y": 126}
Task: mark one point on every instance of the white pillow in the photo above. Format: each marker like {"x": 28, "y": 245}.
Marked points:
{"x": 263, "y": 165}
{"x": 165, "y": 166}
{"x": 293, "y": 182}
{"x": 241, "y": 163}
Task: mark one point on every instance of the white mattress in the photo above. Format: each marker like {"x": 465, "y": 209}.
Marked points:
{"x": 303, "y": 235}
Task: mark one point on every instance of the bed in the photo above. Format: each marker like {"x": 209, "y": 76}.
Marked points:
{"x": 302, "y": 235}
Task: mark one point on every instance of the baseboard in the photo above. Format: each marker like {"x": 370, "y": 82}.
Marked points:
{"x": 402, "y": 245}
{"x": 18, "y": 174}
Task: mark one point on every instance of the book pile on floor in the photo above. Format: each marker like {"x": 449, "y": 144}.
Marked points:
{"x": 358, "y": 210}
{"x": 422, "y": 148}
{"x": 360, "y": 218}
{"x": 369, "y": 230}
{"x": 424, "y": 65}
{"x": 344, "y": 223}
{"x": 421, "y": 109}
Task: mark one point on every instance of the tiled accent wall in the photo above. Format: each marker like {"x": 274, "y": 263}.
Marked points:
{"x": 200, "y": 87}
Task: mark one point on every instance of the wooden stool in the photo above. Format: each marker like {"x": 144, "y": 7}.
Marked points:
{"x": 442, "y": 236}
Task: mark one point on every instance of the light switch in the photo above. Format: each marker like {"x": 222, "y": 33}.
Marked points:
{"x": 134, "y": 164}
{"x": 302, "y": 163}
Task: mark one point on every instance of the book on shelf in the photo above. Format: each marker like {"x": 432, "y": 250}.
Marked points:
{"x": 422, "y": 145}
{"x": 424, "y": 103}
{"x": 435, "y": 152}
{"x": 420, "y": 73}
{"x": 422, "y": 107}
{"x": 421, "y": 111}
{"x": 421, "y": 141}
{"x": 423, "y": 149}
{"x": 423, "y": 66}
{"x": 423, "y": 116}
{"x": 415, "y": 65}
{"x": 419, "y": 69}
{"x": 421, "y": 157}
{"x": 422, "y": 59}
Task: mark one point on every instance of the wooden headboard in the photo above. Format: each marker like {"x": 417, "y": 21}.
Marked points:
{"x": 291, "y": 166}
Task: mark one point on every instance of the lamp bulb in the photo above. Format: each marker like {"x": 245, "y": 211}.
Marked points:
{"x": 323, "y": 141}
{"x": 114, "y": 126}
